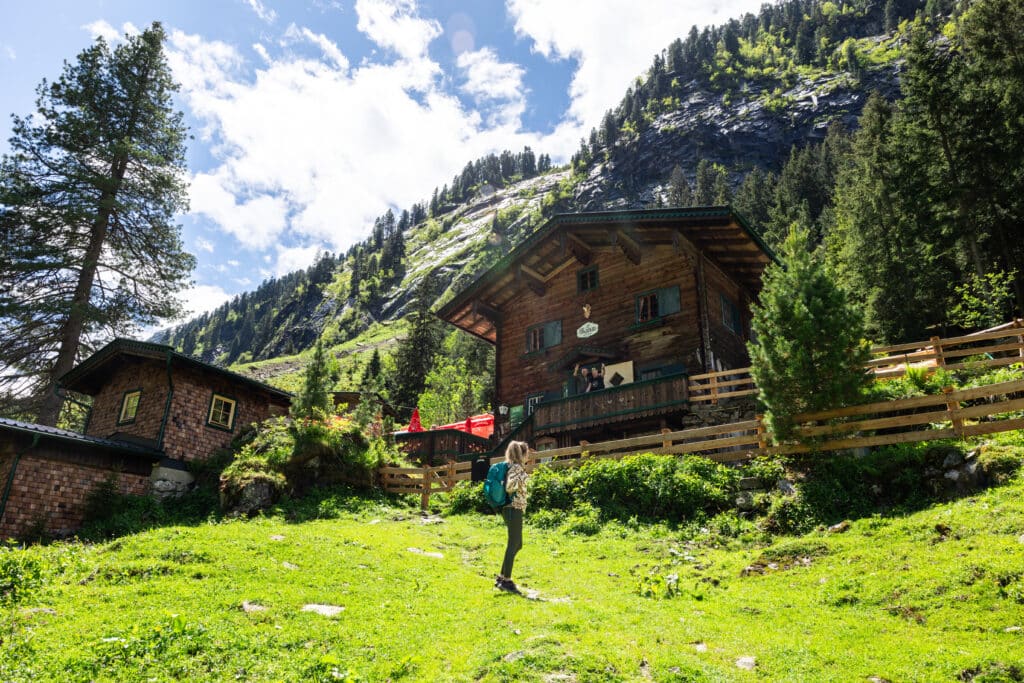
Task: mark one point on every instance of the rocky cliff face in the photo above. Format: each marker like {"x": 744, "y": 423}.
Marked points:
{"x": 752, "y": 125}
{"x": 759, "y": 128}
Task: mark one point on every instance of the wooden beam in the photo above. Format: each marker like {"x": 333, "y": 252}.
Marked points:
{"x": 629, "y": 246}
{"x": 533, "y": 280}
{"x": 492, "y": 314}
{"x": 579, "y": 249}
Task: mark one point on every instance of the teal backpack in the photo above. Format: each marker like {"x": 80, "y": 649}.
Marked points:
{"x": 494, "y": 486}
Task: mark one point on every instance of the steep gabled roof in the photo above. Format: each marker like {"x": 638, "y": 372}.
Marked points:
{"x": 567, "y": 239}
{"x": 91, "y": 374}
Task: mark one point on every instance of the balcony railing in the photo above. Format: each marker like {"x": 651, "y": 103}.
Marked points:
{"x": 436, "y": 446}
{"x": 614, "y": 404}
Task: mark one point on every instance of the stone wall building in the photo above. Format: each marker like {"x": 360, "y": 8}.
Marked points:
{"x": 153, "y": 411}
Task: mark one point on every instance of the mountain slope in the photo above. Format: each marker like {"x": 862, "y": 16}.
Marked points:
{"x": 731, "y": 112}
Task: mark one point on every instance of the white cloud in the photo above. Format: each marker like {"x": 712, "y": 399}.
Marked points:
{"x": 613, "y": 42}
{"x": 290, "y": 259}
{"x": 329, "y": 49}
{"x": 203, "y": 298}
{"x": 103, "y": 29}
{"x": 204, "y": 245}
{"x": 254, "y": 219}
{"x": 262, "y": 52}
{"x": 310, "y": 152}
{"x": 495, "y": 85}
{"x": 489, "y": 78}
{"x": 393, "y": 24}
{"x": 267, "y": 15}
{"x": 8, "y": 52}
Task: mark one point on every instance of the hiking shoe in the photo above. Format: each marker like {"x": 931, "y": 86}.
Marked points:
{"x": 509, "y": 586}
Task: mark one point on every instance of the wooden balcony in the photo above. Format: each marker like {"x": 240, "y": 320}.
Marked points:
{"x": 616, "y": 404}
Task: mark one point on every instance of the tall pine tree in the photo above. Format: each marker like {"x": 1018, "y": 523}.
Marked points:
{"x": 88, "y": 195}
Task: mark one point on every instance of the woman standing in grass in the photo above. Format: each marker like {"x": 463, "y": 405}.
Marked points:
{"x": 515, "y": 485}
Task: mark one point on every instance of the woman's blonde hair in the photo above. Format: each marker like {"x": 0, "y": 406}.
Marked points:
{"x": 517, "y": 451}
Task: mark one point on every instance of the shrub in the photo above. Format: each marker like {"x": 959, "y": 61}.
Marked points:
{"x": 109, "y": 513}
{"x": 466, "y": 496}
{"x": 20, "y": 574}
{"x": 1000, "y": 462}
{"x": 647, "y": 487}
{"x": 285, "y": 456}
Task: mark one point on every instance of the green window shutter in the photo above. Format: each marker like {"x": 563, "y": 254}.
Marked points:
{"x": 552, "y": 333}
{"x": 668, "y": 301}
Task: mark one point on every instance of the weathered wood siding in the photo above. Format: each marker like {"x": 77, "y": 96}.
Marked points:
{"x": 618, "y": 404}
{"x": 675, "y": 340}
{"x": 728, "y": 347}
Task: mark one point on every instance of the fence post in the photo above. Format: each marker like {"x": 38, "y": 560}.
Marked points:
{"x": 666, "y": 443}
{"x": 953, "y": 408}
{"x": 713, "y": 384}
{"x": 425, "y": 495}
{"x": 762, "y": 440}
{"x": 1019, "y": 322}
{"x": 451, "y": 475}
{"x": 940, "y": 360}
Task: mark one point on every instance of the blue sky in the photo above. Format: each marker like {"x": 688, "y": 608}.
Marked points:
{"x": 310, "y": 119}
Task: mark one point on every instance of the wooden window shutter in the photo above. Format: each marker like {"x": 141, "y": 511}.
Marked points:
{"x": 552, "y": 333}
{"x": 668, "y": 301}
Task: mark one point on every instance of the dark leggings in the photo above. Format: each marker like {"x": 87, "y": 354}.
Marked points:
{"x": 514, "y": 522}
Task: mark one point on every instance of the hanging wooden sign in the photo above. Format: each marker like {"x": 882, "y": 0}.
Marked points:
{"x": 588, "y": 329}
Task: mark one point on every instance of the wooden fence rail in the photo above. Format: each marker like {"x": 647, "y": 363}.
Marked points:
{"x": 989, "y": 349}
{"x": 923, "y": 418}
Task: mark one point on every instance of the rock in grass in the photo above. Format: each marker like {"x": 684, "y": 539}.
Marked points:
{"x": 325, "y": 610}
{"x": 249, "y": 607}
{"x": 747, "y": 663}
{"x": 700, "y": 647}
{"x": 424, "y": 552}
{"x": 842, "y": 527}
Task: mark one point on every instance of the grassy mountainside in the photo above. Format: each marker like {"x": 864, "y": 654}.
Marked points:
{"x": 718, "y": 104}
{"x": 931, "y": 595}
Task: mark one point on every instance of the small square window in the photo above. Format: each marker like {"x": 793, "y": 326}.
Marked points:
{"x": 647, "y": 307}
{"x": 222, "y": 412}
{"x": 586, "y": 279}
{"x": 129, "y": 406}
{"x": 535, "y": 339}
{"x": 544, "y": 336}
{"x": 731, "y": 315}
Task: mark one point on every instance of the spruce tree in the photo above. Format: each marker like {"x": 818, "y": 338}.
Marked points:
{"x": 810, "y": 350}
{"x": 318, "y": 381}
{"x": 415, "y": 354}
{"x": 679, "y": 193}
{"x": 88, "y": 195}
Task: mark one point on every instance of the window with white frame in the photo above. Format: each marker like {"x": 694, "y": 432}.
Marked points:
{"x": 129, "y": 406}
{"x": 222, "y": 412}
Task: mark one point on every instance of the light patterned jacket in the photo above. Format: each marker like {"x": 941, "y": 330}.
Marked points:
{"x": 515, "y": 484}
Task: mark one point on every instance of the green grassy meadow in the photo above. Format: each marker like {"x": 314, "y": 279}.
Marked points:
{"x": 937, "y": 595}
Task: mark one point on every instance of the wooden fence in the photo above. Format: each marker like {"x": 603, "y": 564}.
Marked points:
{"x": 992, "y": 348}
{"x": 990, "y": 409}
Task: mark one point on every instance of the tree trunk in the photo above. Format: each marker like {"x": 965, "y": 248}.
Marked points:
{"x": 71, "y": 335}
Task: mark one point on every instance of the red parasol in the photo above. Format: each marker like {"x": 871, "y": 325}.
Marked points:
{"x": 414, "y": 424}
